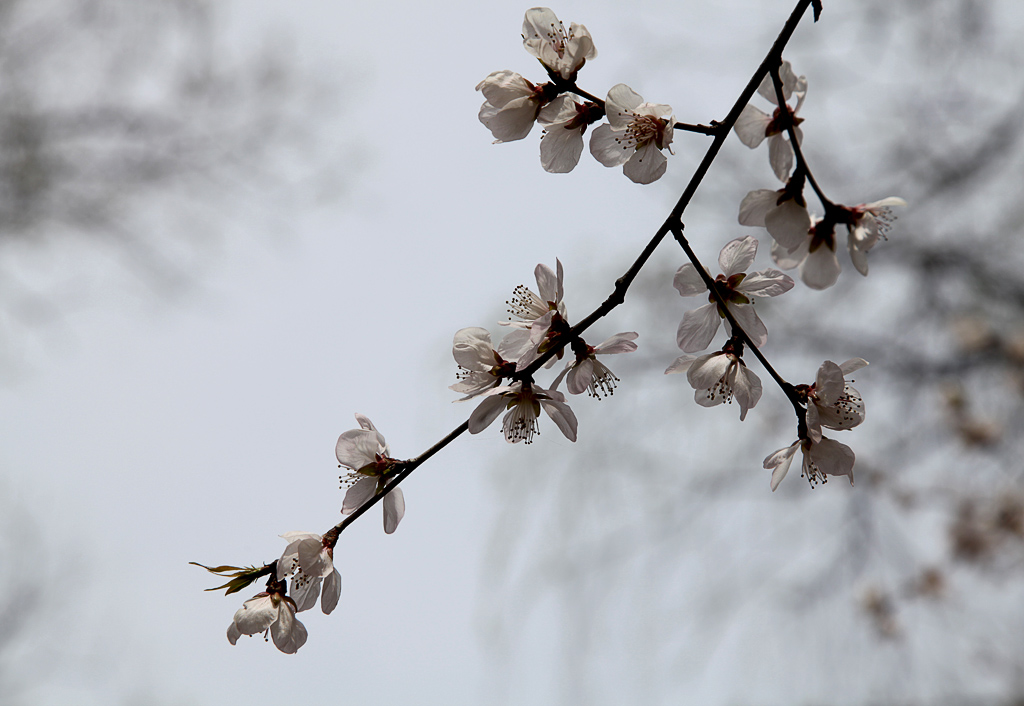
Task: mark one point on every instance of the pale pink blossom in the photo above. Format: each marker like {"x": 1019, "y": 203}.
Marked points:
{"x": 523, "y": 402}
{"x": 719, "y": 378}
{"x": 736, "y": 287}
{"x": 366, "y": 454}
{"x": 831, "y": 401}
{"x": 822, "y": 458}
{"x": 273, "y": 613}
{"x": 511, "y": 105}
{"x": 587, "y": 374}
{"x": 634, "y": 136}
{"x": 866, "y": 224}
{"x": 310, "y": 561}
{"x": 815, "y": 256}
{"x": 565, "y": 120}
{"x": 481, "y": 367}
{"x": 780, "y": 212}
{"x": 561, "y": 52}
{"x": 527, "y": 307}
{"x": 754, "y": 125}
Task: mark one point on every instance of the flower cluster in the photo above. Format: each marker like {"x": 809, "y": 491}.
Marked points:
{"x": 831, "y": 402}
{"x": 634, "y": 137}
{"x": 540, "y": 327}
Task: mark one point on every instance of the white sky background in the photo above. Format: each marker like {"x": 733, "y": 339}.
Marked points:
{"x": 147, "y": 435}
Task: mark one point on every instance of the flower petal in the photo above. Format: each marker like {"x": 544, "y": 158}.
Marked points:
{"x": 688, "y": 282}
{"x": 751, "y": 126}
{"x": 331, "y": 592}
{"x": 561, "y": 414}
{"x": 737, "y": 255}
{"x": 755, "y": 206}
{"x": 779, "y": 462}
{"x": 394, "y": 509}
{"x": 364, "y": 489}
{"x": 485, "y": 413}
{"x": 697, "y": 328}
{"x": 789, "y": 223}
{"x": 647, "y": 164}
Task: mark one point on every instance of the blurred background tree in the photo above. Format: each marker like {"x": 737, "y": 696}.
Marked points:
{"x": 673, "y": 573}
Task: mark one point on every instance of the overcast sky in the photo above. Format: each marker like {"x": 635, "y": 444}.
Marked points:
{"x": 149, "y": 434}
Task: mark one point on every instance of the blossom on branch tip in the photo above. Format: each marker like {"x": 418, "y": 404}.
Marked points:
{"x": 561, "y": 52}
{"x": 271, "y": 612}
{"x": 634, "y": 135}
{"x": 831, "y": 401}
{"x": 718, "y": 378}
{"x": 511, "y": 105}
{"x": 524, "y": 401}
{"x": 753, "y": 125}
{"x": 309, "y": 560}
{"x": 587, "y": 374}
{"x": 365, "y": 453}
{"x": 736, "y": 287}
{"x": 822, "y": 458}
{"x": 867, "y": 223}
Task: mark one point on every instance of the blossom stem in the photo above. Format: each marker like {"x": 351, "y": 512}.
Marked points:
{"x": 570, "y": 87}
{"x": 801, "y": 162}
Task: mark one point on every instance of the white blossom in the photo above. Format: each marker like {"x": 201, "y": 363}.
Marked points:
{"x": 831, "y": 401}
{"x": 587, "y": 374}
{"x": 634, "y": 136}
{"x": 822, "y": 458}
{"x": 736, "y": 287}
{"x": 561, "y": 52}
{"x": 481, "y": 367}
{"x": 718, "y": 378}
{"x": 366, "y": 454}
{"x": 310, "y": 562}
{"x": 753, "y": 125}
{"x": 511, "y": 105}
{"x": 527, "y": 307}
{"x": 782, "y": 214}
{"x": 869, "y": 222}
{"x": 565, "y": 120}
{"x": 273, "y": 613}
{"x": 523, "y": 402}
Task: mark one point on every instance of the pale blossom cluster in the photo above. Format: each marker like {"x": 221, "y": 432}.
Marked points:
{"x": 831, "y": 403}
{"x": 539, "y": 327}
{"x": 636, "y": 134}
